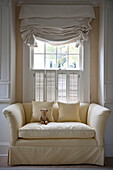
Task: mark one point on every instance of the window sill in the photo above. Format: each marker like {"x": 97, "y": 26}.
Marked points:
{"x": 56, "y": 69}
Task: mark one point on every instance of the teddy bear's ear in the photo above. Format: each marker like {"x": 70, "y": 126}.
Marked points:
{"x": 41, "y": 110}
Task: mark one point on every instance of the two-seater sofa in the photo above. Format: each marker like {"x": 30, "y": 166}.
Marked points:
{"x": 64, "y": 142}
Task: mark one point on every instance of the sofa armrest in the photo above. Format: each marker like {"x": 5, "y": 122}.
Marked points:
{"x": 16, "y": 119}
{"x": 97, "y": 116}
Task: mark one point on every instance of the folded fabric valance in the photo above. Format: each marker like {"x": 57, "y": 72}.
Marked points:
{"x": 55, "y": 24}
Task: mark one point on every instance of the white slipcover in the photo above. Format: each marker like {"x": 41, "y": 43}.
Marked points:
{"x": 56, "y": 151}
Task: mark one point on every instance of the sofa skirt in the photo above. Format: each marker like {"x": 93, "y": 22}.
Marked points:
{"x": 28, "y": 155}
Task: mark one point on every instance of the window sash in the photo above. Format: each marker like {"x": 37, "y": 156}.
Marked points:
{"x": 45, "y": 54}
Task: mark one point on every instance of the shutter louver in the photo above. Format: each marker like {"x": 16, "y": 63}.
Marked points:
{"x": 39, "y": 86}
{"x": 50, "y": 80}
{"x": 73, "y": 87}
{"x": 62, "y": 87}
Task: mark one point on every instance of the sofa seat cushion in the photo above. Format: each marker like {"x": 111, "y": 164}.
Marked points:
{"x": 56, "y": 130}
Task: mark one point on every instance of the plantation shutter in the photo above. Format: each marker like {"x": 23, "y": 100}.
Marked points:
{"x": 39, "y": 86}
{"x": 73, "y": 87}
{"x": 62, "y": 86}
{"x": 50, "y": 86}
{"x": 55, "y": 86}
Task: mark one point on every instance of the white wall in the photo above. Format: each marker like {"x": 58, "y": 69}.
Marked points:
{"x": 108, "y": 74}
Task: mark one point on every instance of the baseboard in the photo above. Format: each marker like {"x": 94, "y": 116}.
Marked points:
{"x": 3, "y": 155}
{"x": 4, "y": 148}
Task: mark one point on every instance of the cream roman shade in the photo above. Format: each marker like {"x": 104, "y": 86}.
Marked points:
{"x": 55, "y": 24}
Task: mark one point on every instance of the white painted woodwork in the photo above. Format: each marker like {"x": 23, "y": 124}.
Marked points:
{"x": 4, "y": 91}
{"x": 7, "y": 67}
{"x": 4, "y": 51}
{"x": 5, "y": 44}
{"x": 94, "y": 3}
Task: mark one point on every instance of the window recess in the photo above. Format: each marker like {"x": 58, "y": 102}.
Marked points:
{"x": 57, "y": 71}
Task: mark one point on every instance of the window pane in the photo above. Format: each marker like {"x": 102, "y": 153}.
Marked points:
{"x": 62, "y": 87}
{"x": 40, "y": 48}
{"x": 51, "y": 61}
{"x": 38, "y": 61}
{"x": 62, "y": 61}
{"x": 62, "y": 49}
{"x": 50, "y": 48}
{"x": 73, "y": 49}
{"x": 74, "y": 61}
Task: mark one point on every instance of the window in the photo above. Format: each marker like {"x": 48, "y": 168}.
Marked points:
{"x": 61, "y": 57}
{"x": 56, "y": 72}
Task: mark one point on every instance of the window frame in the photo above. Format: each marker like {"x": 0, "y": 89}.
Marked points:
{"x": 28, "y": 77}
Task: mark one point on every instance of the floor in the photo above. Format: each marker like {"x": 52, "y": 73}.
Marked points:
{"x": 108, "y": 165}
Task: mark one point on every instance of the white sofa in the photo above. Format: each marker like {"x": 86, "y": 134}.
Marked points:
{"x": 58, "y": 142}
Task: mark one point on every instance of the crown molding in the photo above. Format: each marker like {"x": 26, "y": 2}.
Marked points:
{"x": 94, "y": 3}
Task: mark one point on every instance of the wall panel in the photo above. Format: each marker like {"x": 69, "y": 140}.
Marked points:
{"x": 19, "y": 60}
{"x": 4, "y": 52}
{"x": 109, "y": 53}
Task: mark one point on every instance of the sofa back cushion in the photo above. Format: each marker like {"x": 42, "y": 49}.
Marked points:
{"x": 83, "y": 112}
{"x": 28, "y": 111}
{"x": 37, "y": 106}
{"x": 69, "y": 112}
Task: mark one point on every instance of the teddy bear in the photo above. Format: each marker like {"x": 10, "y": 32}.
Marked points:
{"x": 43, "y": 118}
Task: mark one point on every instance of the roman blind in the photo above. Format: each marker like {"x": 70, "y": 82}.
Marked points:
{"x": 55, "y": 24}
